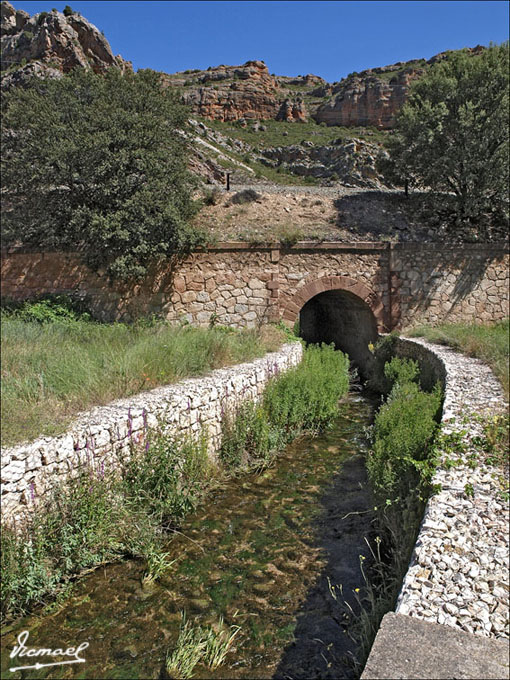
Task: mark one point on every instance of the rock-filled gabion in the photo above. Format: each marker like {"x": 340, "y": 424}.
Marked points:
{"x": 104, "y": 435}
{"x": 458, "y": 574}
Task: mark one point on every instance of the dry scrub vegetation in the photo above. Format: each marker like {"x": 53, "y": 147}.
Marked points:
{"x": 334, "y": 215}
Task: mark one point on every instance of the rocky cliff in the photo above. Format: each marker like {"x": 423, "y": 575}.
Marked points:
{"x": 235, "y": 99}
{"x": 373, "y": 97}
{"x": 50, "y": 43}
{"x": 370, "y": 98}
{"x": 367, "y": 100}
{"x": 246, "y": 92}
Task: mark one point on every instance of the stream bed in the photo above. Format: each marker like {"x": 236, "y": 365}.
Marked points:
{"x": 261, "y": 552}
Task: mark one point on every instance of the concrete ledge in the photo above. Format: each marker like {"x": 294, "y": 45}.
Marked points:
{"x": 411, "y": 649}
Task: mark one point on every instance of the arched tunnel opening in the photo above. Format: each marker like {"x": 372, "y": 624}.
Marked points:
{"x": 344, "y": 319}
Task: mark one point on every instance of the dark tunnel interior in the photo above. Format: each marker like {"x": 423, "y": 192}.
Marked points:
{"x": 339, "y": 317}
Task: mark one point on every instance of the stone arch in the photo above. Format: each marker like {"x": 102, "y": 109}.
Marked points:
{"x": 342, "y": 283}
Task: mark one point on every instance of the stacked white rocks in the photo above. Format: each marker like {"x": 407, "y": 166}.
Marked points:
{"x": 102, "y": 437}
{"x": 458, "y": 574}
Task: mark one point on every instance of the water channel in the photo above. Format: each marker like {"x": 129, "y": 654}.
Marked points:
{"x": 261, "y": 552}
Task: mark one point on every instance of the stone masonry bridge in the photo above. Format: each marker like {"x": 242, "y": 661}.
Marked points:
{"x": 339, "y": 292}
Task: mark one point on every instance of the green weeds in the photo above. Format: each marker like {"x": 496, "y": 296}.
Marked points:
{"x": 490, "y": 447}
{"x": 198, "y": 644}
{"x": 304, "y": 399}
{"x": 400, "y": 460}
{"x": 490, "y": 343}
{"x": 400, "y": 467}
{"x": 97, "y": 518}
{"x": 56, "y": 363}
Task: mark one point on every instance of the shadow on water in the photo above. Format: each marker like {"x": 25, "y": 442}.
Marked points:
{"x": 322, "y": 647}
{"x": 259, "y": 553}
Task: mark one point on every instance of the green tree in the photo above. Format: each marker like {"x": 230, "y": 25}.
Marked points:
{"x": 452, "y": 136}
{"x": 98, "y": 164}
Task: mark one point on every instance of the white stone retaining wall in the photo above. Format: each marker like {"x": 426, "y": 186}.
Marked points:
{"x": 103, "y": 436}
{"x": 458, "y": 574}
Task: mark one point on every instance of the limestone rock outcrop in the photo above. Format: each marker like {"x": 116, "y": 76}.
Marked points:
{"x": 292, "y": 111}
{"x": 50, "y": 42}
{"x": 246, "y": 92}
{"x": 352, "y": 162}
{"x": 372, "y": 97}
{"x": 367, "y": 100}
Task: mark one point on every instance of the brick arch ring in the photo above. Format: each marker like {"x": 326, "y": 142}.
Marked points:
{"x": 341, "y": 283}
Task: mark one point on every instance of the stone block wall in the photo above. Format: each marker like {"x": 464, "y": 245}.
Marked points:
{"x": 239, "y": 285}
{"x": 431, "y": 283}
{"x": 363, "y": 263}
{"x": 103, "y": 436}
{"x": 232, "y": 284}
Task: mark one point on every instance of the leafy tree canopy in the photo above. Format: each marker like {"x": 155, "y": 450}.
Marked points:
{"x": 98, "y": 163}
{"x": 452, "y": 136}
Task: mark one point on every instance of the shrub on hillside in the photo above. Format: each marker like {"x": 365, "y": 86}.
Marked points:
{"x": 245, "y": 196}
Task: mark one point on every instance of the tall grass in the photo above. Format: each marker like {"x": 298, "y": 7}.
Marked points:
{"x": 51, "y": 371}
{"x": 490, "y": 343}
{"x": 302, "y": 399}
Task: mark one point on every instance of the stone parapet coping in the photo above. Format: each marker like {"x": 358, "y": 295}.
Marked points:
{"x": 342, "y": 246}
{"x": 409, "y": 649}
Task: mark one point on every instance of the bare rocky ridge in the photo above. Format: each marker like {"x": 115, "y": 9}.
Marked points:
{"x": 49, "y": 43}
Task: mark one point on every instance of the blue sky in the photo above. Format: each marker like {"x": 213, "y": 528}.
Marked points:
{"x": 330, "y": 39}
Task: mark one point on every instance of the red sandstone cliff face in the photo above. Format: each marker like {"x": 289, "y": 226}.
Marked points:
{"x": 50, "y": 43}
{"x": 367, "y": 101}
{"x": 372, "y": 97}
{"x": 237, "y": 92}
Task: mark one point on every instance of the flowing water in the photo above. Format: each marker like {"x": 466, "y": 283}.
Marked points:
{"x": 261, "y": 552}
